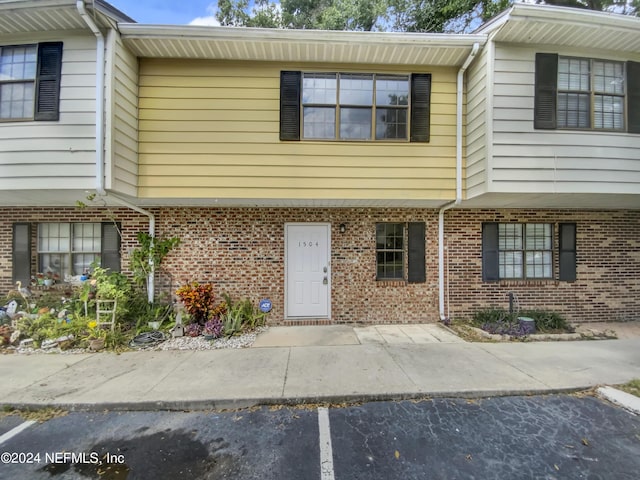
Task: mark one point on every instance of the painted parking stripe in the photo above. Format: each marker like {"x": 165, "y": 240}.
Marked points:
{"x": 326, "y": 451}
{"x": 15, "y": 431}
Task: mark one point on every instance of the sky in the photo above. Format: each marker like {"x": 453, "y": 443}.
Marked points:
{"x": 168, "y": 12}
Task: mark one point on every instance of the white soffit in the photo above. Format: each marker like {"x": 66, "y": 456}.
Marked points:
{"x": 257, "y": 44}
{"x": 40, "y": 19}
{"x": 566, "y": 27}
{"x": 26, "y": 16}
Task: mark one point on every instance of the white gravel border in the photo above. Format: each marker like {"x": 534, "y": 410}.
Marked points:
{"x": 178, "y": 343}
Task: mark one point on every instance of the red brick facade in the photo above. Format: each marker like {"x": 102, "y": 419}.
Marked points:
{"x": 241, "y": 251}
{"x": 607, "y": 287}
{"x": 131, "y": 223}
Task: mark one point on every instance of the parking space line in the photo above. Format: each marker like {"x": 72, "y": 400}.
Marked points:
{"x": 326, "y": 451}
{"x": 15, "y": 431}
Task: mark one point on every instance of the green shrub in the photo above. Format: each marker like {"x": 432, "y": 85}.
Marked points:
{"x": 547, "y": 320}
{"x": 491, "y": 315}
{"x": 50, "y": 327}
{"x": 117, "y": 340}
{"x": 240, "y": 315}
{"x": 105, "y": 285}
{"x": 140, "y": 312}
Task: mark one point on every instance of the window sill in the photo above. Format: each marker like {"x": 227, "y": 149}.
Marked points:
{"x": 390, "y": 283}
{"x": 528, "y": 282}
{"x": 393, "y": 141}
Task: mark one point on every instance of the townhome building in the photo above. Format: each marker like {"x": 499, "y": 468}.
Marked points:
{"x": 346, "y": 176}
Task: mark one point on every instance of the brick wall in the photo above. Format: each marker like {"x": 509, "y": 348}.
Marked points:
{"x": 131, "y": 222}
{"x": 241, "y": 251}
{"x": 608, "y": 265}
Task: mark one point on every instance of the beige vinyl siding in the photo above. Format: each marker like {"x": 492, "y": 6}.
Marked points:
{"x": 211, "y": 130}
{"x": 59, "y": 154}
{"x": 124, "y": 121}
{"x": 476, "y": 159}
{"x": 552, "y": 161}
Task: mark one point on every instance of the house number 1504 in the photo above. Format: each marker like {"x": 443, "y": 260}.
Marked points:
{"x": 308, "y": 244}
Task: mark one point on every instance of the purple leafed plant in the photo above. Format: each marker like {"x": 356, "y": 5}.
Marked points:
{"x": 213, "y": 327}
{"x": 504, "y": 328}
{"x": 193, "y": 330}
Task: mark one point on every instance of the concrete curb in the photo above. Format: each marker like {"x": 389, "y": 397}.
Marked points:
{"x": 623, "y": 399}
{"x": 241, "y": 404}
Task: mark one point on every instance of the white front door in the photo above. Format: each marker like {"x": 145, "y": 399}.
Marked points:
{"x": 308, "y": 276}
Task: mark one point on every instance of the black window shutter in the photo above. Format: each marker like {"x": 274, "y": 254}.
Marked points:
{"x": 290, "y": 93}
{"x": 420, "y": 107}
{"x": 546, "y": 91}
{"x": 22, "y": 253}
{"x": 48, "y": 81}
{"x": 490, "y": 253}
{"x": 416, "y": 257}
{"x": 633, "y": 96}
{"x": 110, "y": 255}
{"x": 567, "y": 252}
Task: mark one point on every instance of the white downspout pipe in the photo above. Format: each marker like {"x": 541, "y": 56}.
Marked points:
{"x": 100, "y": 58}
{"x": 100, "y": 189}
{"x": 444, "y": 208}
{"x": 152, "y": 228}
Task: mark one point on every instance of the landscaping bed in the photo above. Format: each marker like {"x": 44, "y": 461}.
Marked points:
{"x": 498, "y": 324}
{"x": 67, "y": 320}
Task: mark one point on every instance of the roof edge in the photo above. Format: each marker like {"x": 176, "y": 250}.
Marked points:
{"x": 198, "y": 32}
{"x": 522, "y": 11}
{"x": 111, "y": 11}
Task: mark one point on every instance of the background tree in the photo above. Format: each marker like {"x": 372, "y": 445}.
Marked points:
{"x": 451, "y": 16}
{"x": 236, "y": 13}
{"x": 335, "y": 14}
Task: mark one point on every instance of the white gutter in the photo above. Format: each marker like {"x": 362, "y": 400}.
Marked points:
{"x": 100, "y": 189}
{"x": 459, "y": 97}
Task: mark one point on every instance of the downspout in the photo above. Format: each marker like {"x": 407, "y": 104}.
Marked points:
{"x": 100, "y": 57}
{"x": 152, "y": 228}
{"x": 100, "y": 188}
{"x": 456, "y": 202}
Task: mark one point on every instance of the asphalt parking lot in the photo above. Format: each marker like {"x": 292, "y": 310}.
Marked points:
{"x": 546, "y": 437}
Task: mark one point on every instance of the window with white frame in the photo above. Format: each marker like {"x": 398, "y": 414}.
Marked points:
{"x": 17, "y": 81}
{"x": 68, "y": 248}
{"x": 525, "y": 250}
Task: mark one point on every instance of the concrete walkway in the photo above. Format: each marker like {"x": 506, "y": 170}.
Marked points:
{"x": 336, "y": 364}
{"x": 334, "y": 335}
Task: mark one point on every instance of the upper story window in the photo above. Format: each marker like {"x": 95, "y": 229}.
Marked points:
{"x": 17, "y": 81}
{"x": 355, "y": 106}
{"x": 351, "y": 106}
{"x": 30, "y": 81}
{"x": 584, "y": 93}
{"x": 590, "y": 94}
